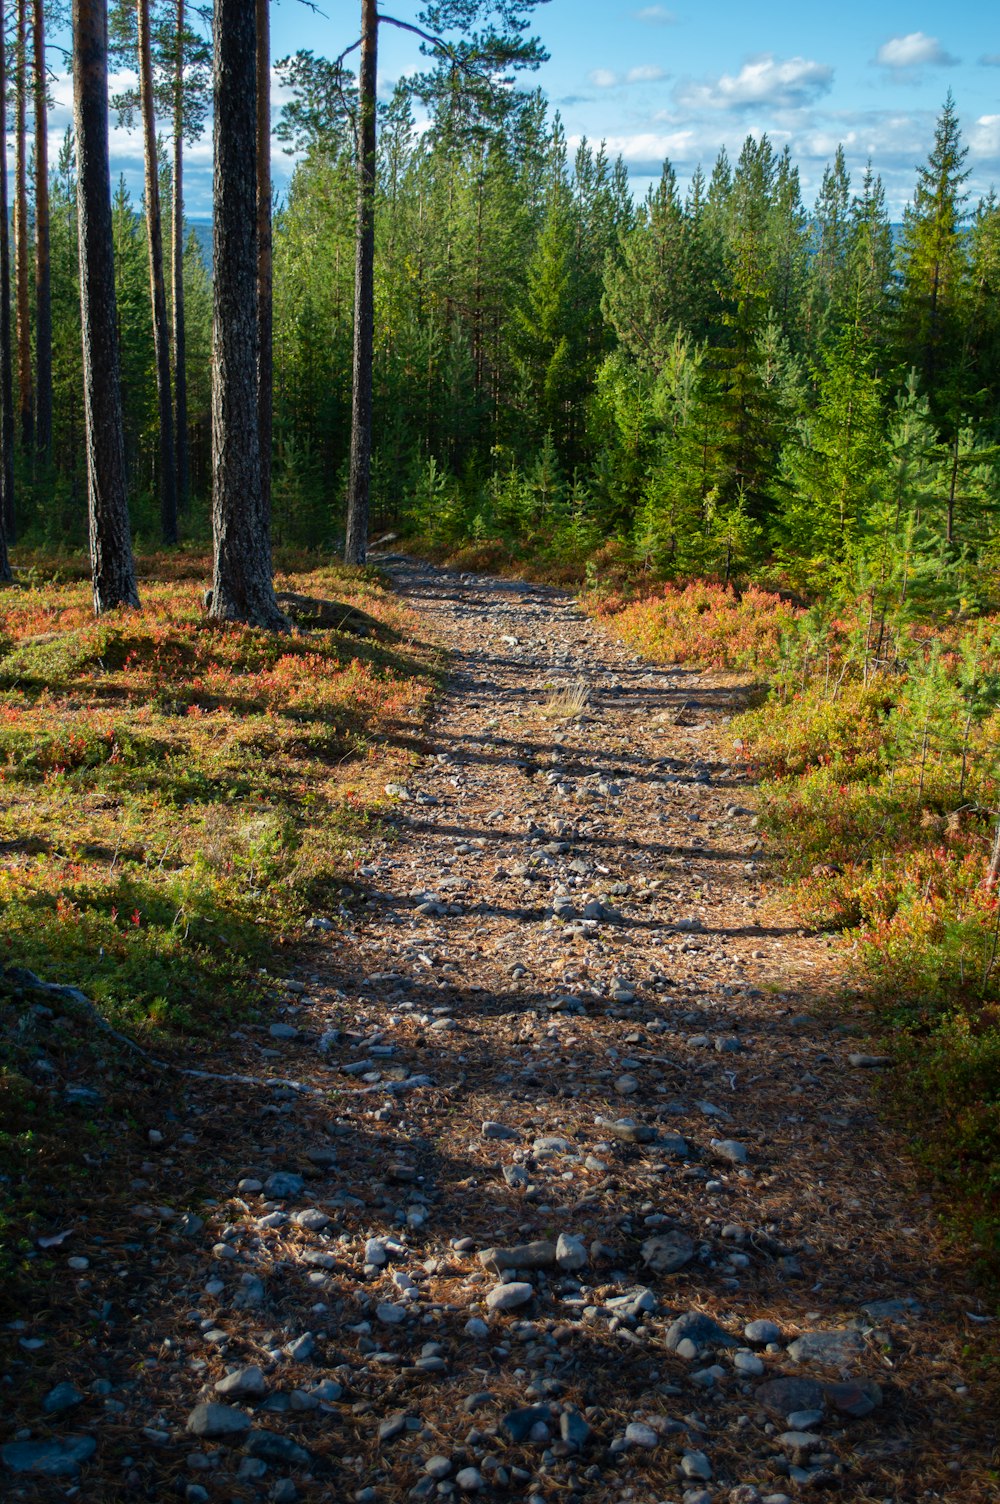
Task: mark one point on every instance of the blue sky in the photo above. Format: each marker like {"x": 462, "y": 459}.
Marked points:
{"x": 681, "y": 80}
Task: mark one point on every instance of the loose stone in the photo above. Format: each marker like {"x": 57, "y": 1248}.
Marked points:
{"x": 510, "y": 1297}
{"x": 244, "y": 1383}
{"x": 212, "y": 1421}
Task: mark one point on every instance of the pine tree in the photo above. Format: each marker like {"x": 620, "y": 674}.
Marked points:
{"x": 647, "y": 293}
{"x": 112, "y": 564}
{"x": 43, "y": 264}
{"x": 933, "y": 263}
{"x": 869, "y": 264}
{"x": 834, "y": 463}
{"x": 22, "y": 299}
{"x": 828, "y": 280}
{"x": 6, "y": 354}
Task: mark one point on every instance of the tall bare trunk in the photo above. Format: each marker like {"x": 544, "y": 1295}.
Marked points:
{"x": 6, "y": 371}
{"x": 25, "y": 388}
{"x": 265, "y": 258}
{"x": 359, "y": 485}
{"x": 242, "y": 585}
{"x": 110, "y": 541}
{"x": 43, "y": 265}
{"x": 157, "y": 291}
{"x": 177, "y": 209}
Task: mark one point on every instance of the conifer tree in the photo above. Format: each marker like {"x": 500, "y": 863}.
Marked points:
{"x": 112, "y": 564}
{"x": 932, "y": 261}
{"x": 22, "y": 297}
{"x": 6, "y": 354}
{"x": 831, "y": 239}
{"x": 242, "y": 583}
{"x": 43, "y": 265}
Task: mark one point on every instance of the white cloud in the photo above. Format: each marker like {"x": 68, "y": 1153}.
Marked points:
{"x": 990, "y": 60}
{"x": 764, "y": 80}
{"x": 915, "y": 50}
{"x": 644, "y": 152}
{"x": 984, "y": 137}
{"x": 655, "y": 15}
{"x": 645, "y": 73}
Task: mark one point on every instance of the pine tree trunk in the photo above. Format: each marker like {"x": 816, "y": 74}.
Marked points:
{"x": 242, "y": 586}
{"x": 359, "y": 485}
{"x": 6, "y": 367}
{"x": 25, "y": 389}
{"x": 157, "y": 291}
{"x": 43, "y": 262}
{"x": 265, "y": 257}
{"x": 110, "y": 541}
{"x": 180, "y": 342}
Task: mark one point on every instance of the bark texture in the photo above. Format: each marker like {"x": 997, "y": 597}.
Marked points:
{"x": 265, "y": 255}
{"x": 6, "y": 363}
{"x": 242, "y": 586}
{"x": 157, "y": 290}
{"x": 359, "y": 484}
{"x": 112, "y": 564}
{"x": 43, "y": 260}
{"x": 25, "y": 386}
{"x": 182, "y": 470}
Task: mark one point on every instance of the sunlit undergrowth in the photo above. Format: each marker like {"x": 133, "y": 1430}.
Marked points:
{"x": 878, "y": 754}
{"x": 702, "y": 623}
{"x": 175, "y": 797}
{"x": 881, "y": 786}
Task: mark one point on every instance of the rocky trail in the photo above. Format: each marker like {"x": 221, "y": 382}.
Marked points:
{"x": 557, "y": 1176}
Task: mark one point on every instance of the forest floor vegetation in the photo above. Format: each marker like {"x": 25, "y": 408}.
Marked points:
{"x": 176, "y": 798}
{"x": 874, "y": 748}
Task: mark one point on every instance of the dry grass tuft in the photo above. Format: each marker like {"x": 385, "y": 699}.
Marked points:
{"x": 566, "y": 704}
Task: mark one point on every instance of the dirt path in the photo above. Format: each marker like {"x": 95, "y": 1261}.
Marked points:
{"x": 560, "y": 1027}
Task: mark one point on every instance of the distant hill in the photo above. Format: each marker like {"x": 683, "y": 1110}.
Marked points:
{"x": 203, "y": 231}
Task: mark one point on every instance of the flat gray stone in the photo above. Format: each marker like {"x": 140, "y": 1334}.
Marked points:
{"x": 268, "y": 1446}
{"x": 549, "y": 1143}
{"x": 730, "y": 1150}
{"x": 854, "y": 1399}
{"x": 800, "y": 1445}
{"x": 786, "y": 1394}
{"x": 63, "y": 1397}
{"x": 637, "y": 1434}
{"x": 391, "y": 1315}
{"x": 212, "y": 1422}
{"x": 836, "y": 1349}
{"x": 762, "y": 1332}
{"x": 668, "y": 1252}
{"x": 283, "y": 1183}
{"x": 890, "y": 1310}
{"x": 244, "y": 1383}
{"x": 58, "y": 1458}
{"x": 538, "y": 1255}
{"x": 509, "y": 1297}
